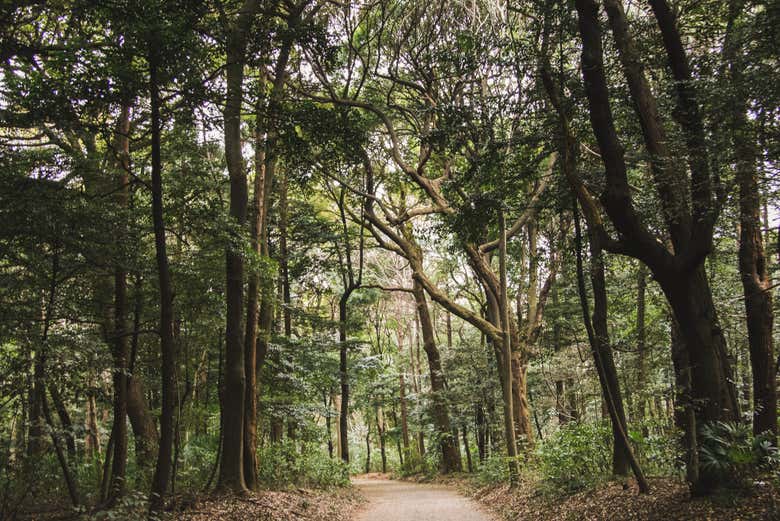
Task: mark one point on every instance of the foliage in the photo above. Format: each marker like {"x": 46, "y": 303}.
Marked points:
{"x": 576, "y": 456}
{"x": 133, "y": 506}
{"x": 290, "y": 463}
{"x": 492, "y": 471}
{"x": 657, "y": 447}
{"x": 735, "y": 453}
{"x": 430, "y": 116}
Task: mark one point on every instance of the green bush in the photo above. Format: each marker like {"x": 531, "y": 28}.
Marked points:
{"x": 133, "y": 506}
{"x": 287, "y": 463}
{"x": 492, "y": 471}
{"x": 732, "y": 451}
{"x": 658, "y": 449}
{"x": 415, "y": 465}
{"x": 196, "y": 462}
{"x": 577, "y": 455}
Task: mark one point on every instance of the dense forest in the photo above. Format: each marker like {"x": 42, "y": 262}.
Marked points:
{"x": 253, "y": 246}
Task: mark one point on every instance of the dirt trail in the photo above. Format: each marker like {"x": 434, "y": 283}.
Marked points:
{"x": 402, "y": 501}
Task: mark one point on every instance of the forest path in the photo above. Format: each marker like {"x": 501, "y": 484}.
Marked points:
{"x": 390, "y": 500}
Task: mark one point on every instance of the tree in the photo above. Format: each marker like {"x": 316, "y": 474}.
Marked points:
{"x": 231, "y": 469}
{"x": 681, "y": 272}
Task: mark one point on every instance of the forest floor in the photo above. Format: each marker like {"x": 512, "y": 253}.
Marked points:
{"x": 295, "y": 504}
{"x": 375, "y": 497}
{"x": 267, "y": 505}
{"x": 668, "y": 500}
{"x": 390, "y": 500}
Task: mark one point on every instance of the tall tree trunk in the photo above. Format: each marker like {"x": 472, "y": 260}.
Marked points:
{"x": 398, "y": 440}
{"x": 344, "y": 378}
{"x": 421, "y": 443}
{"x": 482, "y": 431}
{"x": 266, "y": 159}
{"x": 142, "y": 422}
{"x": 138, "y": 411}
{"x": 684, "y": 411}
{"x": 404, "y": 411}
{"x": 368, "y": 447}
{"x": 467, "y": 448}
{"x": 641, "y": 344}
{"x": 36, "y": 442}
{"x": 712, "y": 388}
{"x": 283, "y": 256}
{"x": 598, "y": 336}
{"x": 758, "y": 304}
{"x": 450, "y": 462}
{"x": 231, "y": 471}
{"x": 271, "y": 157}
{"x": 680, "y": 274}
{"x": 286, "y": 306}
{"x": 605, "y": 361}
{"x": 120, "y": 345}
{"x": 65, "y": 420}
{"x": 251, "y": 366}
{"x": 506, "y": 350}
{"x": 560, "y": 383}
{"x": 380, "y": 430}
{"x": 162, "y": 473}
{"x": 753, "y": 265}
{"x": 92, "y": 437}
{"x": 329, "y": 425}
{"x": 521, "y": 408}
{"x": 336, "y": 401}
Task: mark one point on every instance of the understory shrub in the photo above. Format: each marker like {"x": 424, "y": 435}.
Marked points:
{"x": 732, "y": 451}
{"x": 658, "y": 448}
{"x": 415, "y": 465}
{"x": 196, "y": 462}
{"x": 576, "y": 456}
{"x": 289, "y": 463}
{"x": 492, "y": 471}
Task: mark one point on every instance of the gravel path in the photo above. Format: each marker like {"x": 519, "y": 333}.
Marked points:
{"x": 402, "y": 501}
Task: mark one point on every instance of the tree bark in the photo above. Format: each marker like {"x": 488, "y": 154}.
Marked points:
{"x": 258, "y": 336}
{"x": 603, "y": 357}
{"x": 450, "y": 462}
{"x": 753, "y": 263}
{"x": 506, "y": 350}
{"x": 368, "y": 447}
{"x": 251, "y": 366}
{"x": 641, "y": 344}
{"x": 231, "y": 471}
{"x": 482, "y": 431}
{"x": 680, "y": 274}
{"x": 467, "y": 448}
{"x": 380, "y": 429}
{"x": 329, "y": 425}
{"x": 92, "y": 434}
{"x": 336, "y": 400}
{"x": 344, "y": 378}
{"x": 120, "y": 345}
{"x": 142, "y": 422}
{"x": 598, "y": 336}
{"x": 404, "y": 412}
{"x": 162, "y": 473}
{"x": 684, "y": 411}
{"x": 65, "y": 420}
